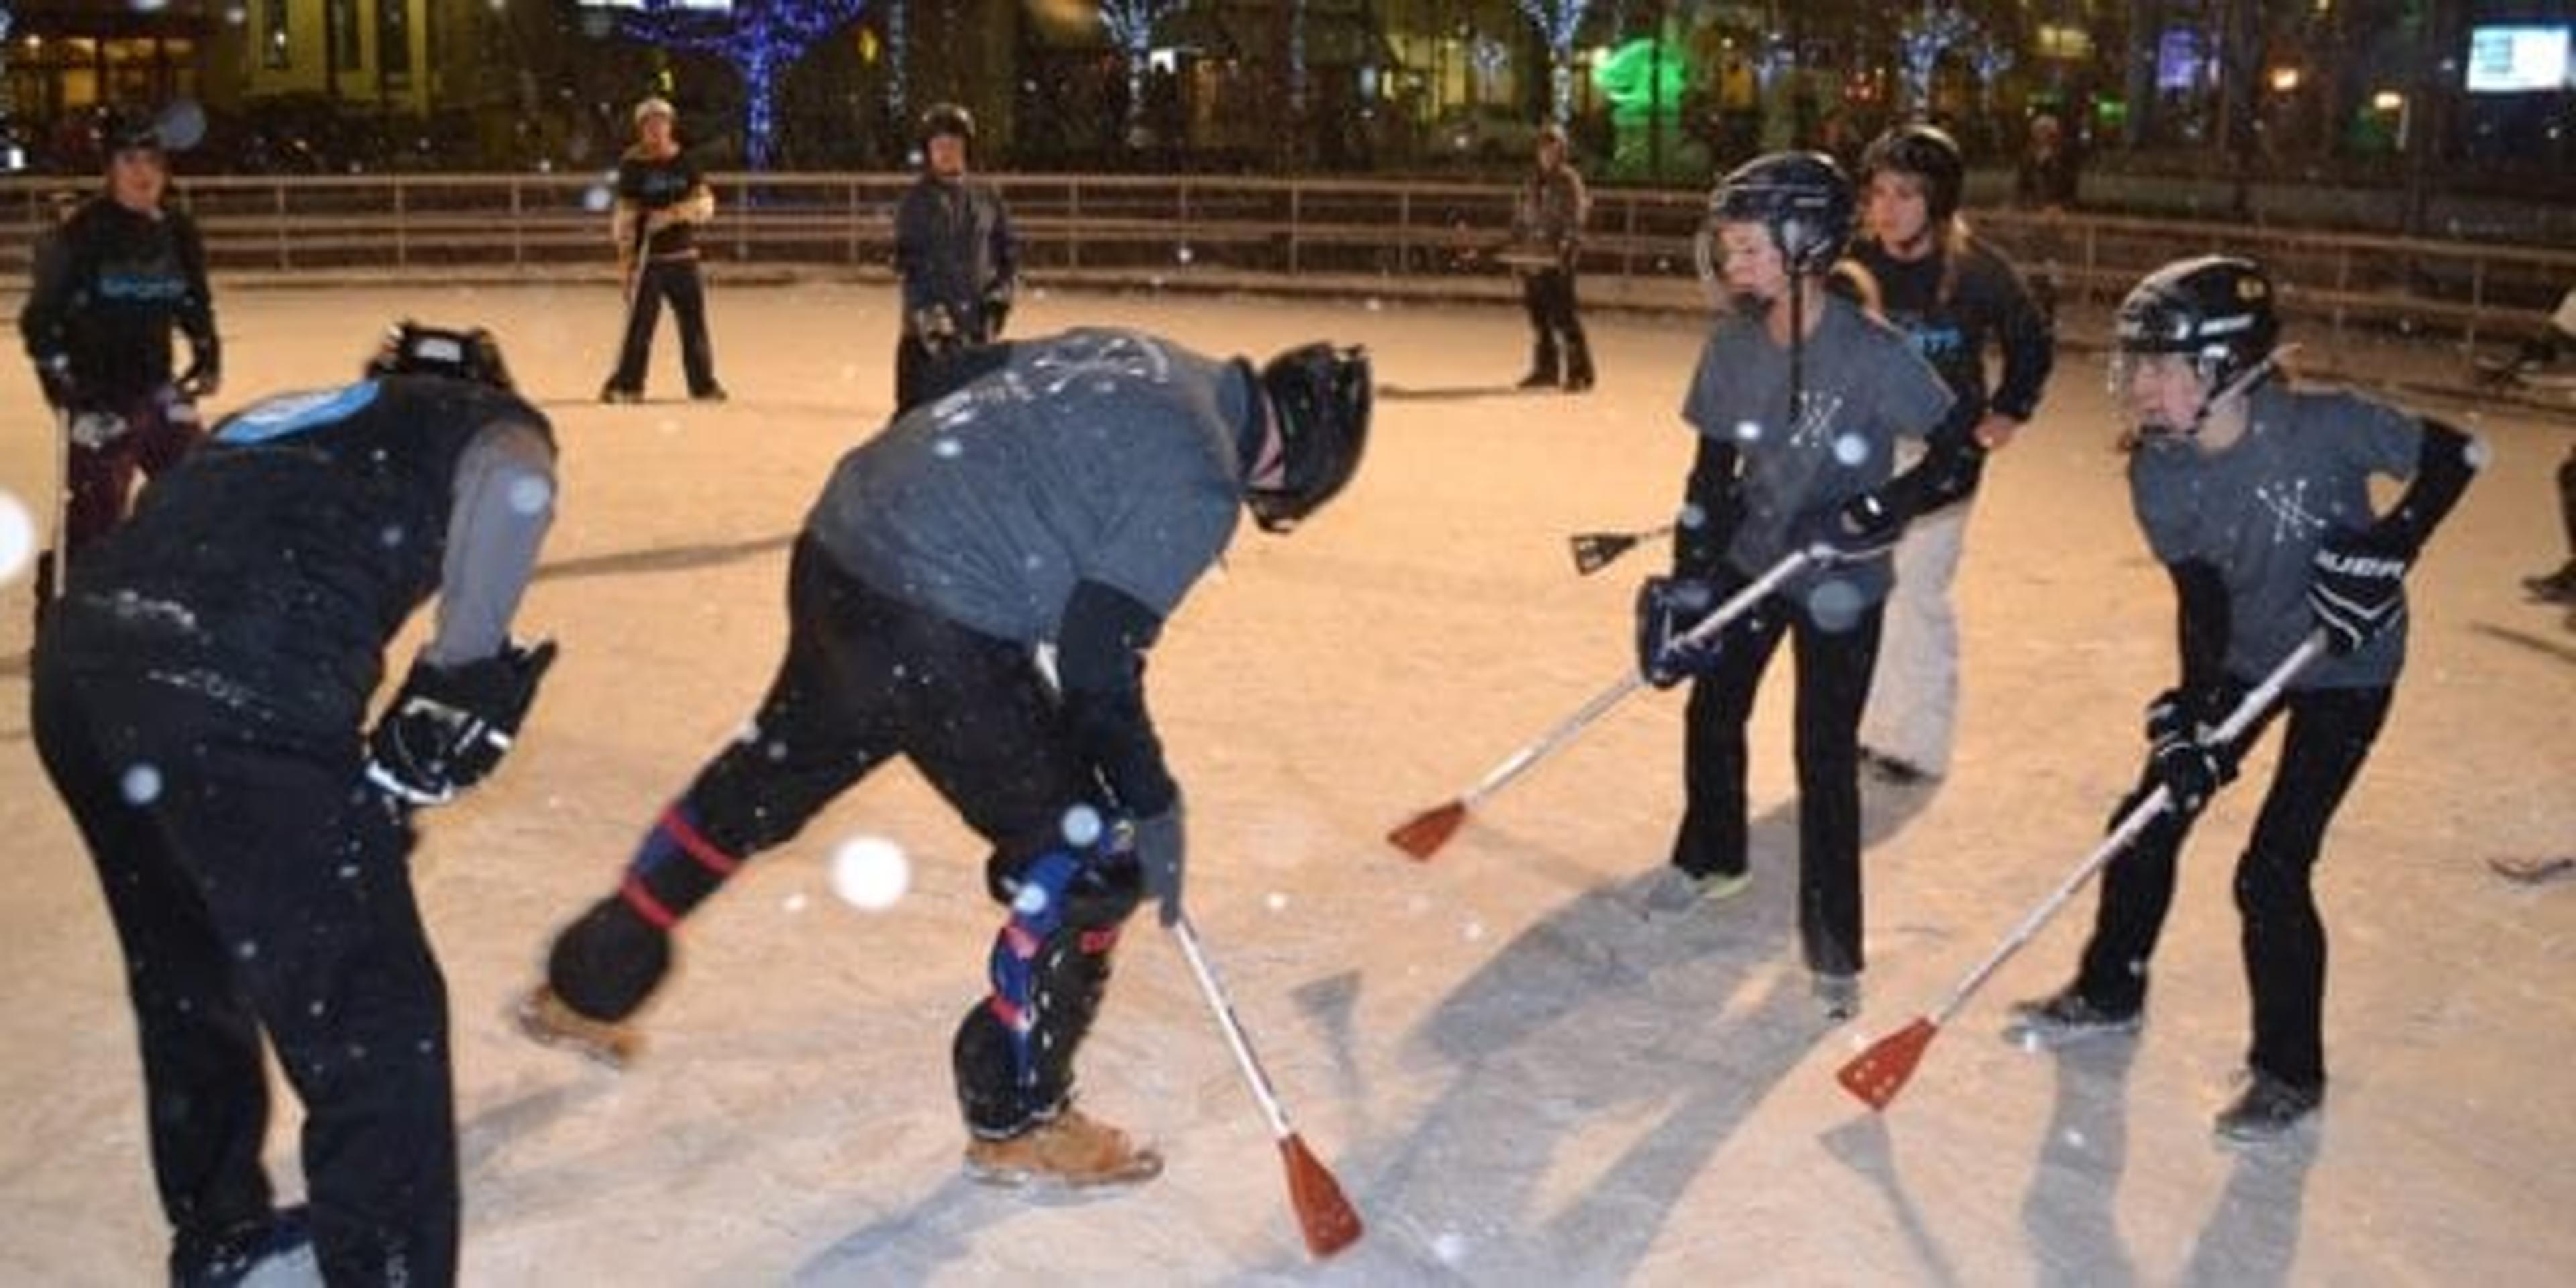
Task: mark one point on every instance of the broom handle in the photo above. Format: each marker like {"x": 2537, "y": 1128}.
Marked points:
{"x": 1737, "y": 605}
{"x": 1188, "y": 936}
{"x": 2248, "y": 709}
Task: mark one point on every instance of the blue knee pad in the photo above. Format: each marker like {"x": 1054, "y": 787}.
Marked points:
{"x": 1049, "y": 967}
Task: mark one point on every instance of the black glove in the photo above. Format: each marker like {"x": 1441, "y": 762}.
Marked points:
{"x": 2191, "y": 771}
{"x": 54, "y": 373}
{"x": 1667, "y": 608}
{"x": 997, "y": 309}
{"x": 2192, "y": 712}
{"x": 1162, "y": 854}
{"x": 1859, "y": 528}
{"x": 936, "y": 328}
{"x": 2357, "y": 589}
{"x": 448, "y": 727}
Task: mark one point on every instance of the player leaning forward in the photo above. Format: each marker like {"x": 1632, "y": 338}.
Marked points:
{"x": 2256, "y": 498}
{"x": 199, "y": 700}
{"x": 1071, "y": 494}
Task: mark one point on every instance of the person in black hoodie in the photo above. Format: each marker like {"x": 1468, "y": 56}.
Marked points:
{"x": 1955, "y": 297}
{"x": 200, "y": 701}
{"x": 111, "y": 281}
{"x": 661, "y": 200}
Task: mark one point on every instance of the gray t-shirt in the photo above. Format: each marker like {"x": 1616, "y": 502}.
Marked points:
{"x": 1862, "y": 388}
{"x": 1098, "y": 455}
{"x": 2258, "y": 511}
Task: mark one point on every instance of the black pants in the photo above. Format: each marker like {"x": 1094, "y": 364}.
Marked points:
{"x": 2282, "y": 938}
{"x": 1548, "y": 297}
{"x": 260, "y": 889}
{"x": 678, "y": 281}
{"x": 866, "y": 679}
{"x": 1833, "y": 685}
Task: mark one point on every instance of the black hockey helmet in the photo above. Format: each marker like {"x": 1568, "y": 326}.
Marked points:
{"x": 1926, "y": 152}
{"x": 128, "y": 129}
{"x": 947, "y": 118}
{"x": 1320, "y": 398}
{"x": 411, "y": 349}
{"x": 1803, "y": 198}
{"x": 2217, "y": 308}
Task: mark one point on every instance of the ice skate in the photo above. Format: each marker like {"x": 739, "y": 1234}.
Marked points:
{"x": 2267, "y": 1109}
{"x": 545, "y": 1018}
{"x": 274, "y": 1253}
{"x": 1071, "y": 1150}
{"x": 2063, "y": 1019}
{"x": 2554, "y": 587}
{"x": 1676, "y": 891}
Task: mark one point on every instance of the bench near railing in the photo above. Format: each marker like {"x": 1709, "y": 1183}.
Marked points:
{"x": 1296, "y": 234}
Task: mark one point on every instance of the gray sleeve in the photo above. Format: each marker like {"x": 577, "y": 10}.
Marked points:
{"x": 504, "y": 502}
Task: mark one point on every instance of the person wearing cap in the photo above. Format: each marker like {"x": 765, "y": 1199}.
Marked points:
{"x": 662, "y": 198}
{"x": 954, "y": 253}
{"x": 1069, "y": 495}
{"x": 200, "y": 701}
{"x": 1956, "y": 297}
{"x": 1548, "y": 217}
{"x": 111, "y": 281}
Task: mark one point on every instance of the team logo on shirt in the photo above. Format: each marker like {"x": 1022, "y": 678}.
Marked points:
{"x": 2292, "y": 520}
{"x": 1817, "y": 409}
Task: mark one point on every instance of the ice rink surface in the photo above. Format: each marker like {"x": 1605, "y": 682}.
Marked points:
{"x": 1517, "y": 1078}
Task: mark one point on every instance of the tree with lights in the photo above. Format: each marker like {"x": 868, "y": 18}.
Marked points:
{"x": 761, "y": 38}
{"x": 1130, "y": 24}
{"x": 1938, "y": 28}
{"x": 1557, "y": 21}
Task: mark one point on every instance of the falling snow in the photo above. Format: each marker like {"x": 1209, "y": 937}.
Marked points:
{"x": 1517, "y": 1078}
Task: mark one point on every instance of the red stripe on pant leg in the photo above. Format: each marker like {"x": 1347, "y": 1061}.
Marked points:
{"x": 645, "y": 905}
{"x": 697, "y": 846}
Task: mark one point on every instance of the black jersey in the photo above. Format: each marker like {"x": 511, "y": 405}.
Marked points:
{"x": 109, "y": 286}
{"x": 269, "y": 570}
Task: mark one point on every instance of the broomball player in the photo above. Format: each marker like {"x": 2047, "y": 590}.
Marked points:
{"x": 1953, "y": 295}
{"x": 200, "y": 702}
{"x": 1799, "y": 402}
{"x": 2256, "y": 498}
{"x": 109, "y": 285}
{"x": 1070, "y": 494}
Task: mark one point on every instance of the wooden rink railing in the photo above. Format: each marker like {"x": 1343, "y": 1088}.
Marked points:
{"x": 1304, "y": 235}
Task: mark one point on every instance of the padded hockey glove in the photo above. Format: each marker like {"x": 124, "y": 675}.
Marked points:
{"x": 1667, "y": 609}
{"x": 2357, "y": 589}
{"x": 1162, "y": 855}
{"x": 2191, "y": 713}
{"x": 936, "y": 328}
{"x": 1862, "y": 527}
{"x": 997, "y": 308}
{"x": 449, "y": 726}
{"x": 2191, "y": 771}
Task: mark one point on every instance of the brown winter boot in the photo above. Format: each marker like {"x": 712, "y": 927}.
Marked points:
{"x": 1072, "y": 1150}
{"x": 545, "y": 1018}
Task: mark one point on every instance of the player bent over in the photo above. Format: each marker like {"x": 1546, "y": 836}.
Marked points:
{"x": 1071, "y": 494}
{"x": 200, "y": 701}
